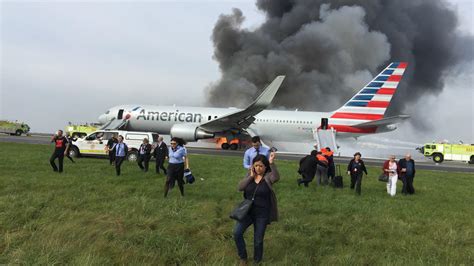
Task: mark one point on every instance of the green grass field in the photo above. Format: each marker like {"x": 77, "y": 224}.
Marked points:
{"x": 87, "y": 215}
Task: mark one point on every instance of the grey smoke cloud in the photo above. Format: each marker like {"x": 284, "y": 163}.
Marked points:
{"x": 330, "y": 49}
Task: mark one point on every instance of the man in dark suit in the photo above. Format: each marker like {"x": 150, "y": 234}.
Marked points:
{"x": 160, "y": 153}
{"x": 407, "y": 166}
{"x": 307, "y": 170}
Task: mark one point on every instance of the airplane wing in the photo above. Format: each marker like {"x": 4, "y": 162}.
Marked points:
{"x": 383, "y": 121}
{"x": 244, "y": 118}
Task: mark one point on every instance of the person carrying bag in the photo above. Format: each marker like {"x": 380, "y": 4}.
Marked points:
{"x": 259, "y": 207}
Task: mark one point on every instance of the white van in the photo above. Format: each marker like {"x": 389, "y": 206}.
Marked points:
{"x": 94, "y": 143}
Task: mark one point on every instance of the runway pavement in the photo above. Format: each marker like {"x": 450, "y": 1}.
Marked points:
{"x": 426, "y": 164}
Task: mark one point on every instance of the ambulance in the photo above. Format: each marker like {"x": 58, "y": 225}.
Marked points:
{"x": 95, "y": 143}
{"x": 448, "y": 152}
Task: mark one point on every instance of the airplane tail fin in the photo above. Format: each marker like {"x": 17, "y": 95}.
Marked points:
{"x": 372, "y": 101}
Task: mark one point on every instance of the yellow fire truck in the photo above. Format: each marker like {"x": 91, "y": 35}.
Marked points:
{"x": 80, "y": 131}
{"x": 448, "y": 152}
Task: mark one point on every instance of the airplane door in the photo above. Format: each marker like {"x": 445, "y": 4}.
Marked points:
{"x": 120, "y": 114}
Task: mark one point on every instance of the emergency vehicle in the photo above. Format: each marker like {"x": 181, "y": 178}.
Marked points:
{"x": 80, "y": 131}
{"x": 95, "y": 143}
{"x": 448, "y": 152}
{"x": 14, "y": 128}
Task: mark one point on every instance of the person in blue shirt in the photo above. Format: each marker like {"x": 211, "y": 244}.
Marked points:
{"x": 177, "y": 155}
{"x": 256, "y": 149}
{"x": 121, "y": 150}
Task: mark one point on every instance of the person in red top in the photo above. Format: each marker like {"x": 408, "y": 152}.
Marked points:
{"x": 392, "y": 169}
{"x": 61, "y": 147}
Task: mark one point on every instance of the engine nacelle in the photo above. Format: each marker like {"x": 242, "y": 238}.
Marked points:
{"x": 189, "y": 132}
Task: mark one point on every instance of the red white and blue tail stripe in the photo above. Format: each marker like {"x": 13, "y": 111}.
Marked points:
{"x": 370, "y": 103}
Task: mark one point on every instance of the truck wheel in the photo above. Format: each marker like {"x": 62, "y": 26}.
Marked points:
{"x": 18, "y": 132}
{"x": 74, "y": 152}
{"x": 132, "y": 156}
{"x": 234, "y": 146}
{"x": 225, "y": 146}
{"x": 472, "y": 160}
{"x": 438, "y": 158}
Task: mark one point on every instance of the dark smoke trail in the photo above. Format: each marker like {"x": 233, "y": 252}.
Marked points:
{"x": 329, "y": 49}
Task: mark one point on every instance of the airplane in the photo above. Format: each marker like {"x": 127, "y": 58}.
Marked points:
{"x": 363, "y": 114}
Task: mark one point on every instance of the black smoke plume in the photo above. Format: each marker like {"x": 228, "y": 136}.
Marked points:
{"x": 329, "y": 49}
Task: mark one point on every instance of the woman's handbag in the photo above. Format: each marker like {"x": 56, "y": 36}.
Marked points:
{"x": 189, "y": 176}
{"x": 241, "y": 210}
{"x": 383, "y": 177}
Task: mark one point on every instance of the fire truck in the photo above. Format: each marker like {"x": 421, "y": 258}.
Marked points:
{"x": 448, "y": 152}
{"x": 14, "y": 128}
{"x": 82, "y": 130}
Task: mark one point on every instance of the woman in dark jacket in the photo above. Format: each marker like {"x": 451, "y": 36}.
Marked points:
{"x": 356, "y": 168}
{"x": 258, "y": 182}
{"x": 144, "y": 155}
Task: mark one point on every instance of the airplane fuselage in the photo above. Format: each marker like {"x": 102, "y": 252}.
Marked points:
{"x": 276, "y": 125}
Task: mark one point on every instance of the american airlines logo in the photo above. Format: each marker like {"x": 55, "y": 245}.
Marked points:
{"x": 169, "y": 116}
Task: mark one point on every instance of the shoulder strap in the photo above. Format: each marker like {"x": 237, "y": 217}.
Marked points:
{"x": 255, "y": 191}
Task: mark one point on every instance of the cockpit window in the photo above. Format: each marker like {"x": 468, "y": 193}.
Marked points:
{"x": 108, "y": 111}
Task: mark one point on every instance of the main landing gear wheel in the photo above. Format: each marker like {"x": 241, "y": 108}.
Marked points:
{"x": 225, "y": 146}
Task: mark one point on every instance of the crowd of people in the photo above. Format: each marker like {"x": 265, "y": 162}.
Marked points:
{"x": 257, "y": 185}
{"x": 118, "y": 150}
{"x": 262, "y": 174}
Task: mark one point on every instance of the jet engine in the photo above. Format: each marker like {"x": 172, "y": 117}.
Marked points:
{"x": 189, "y": 132}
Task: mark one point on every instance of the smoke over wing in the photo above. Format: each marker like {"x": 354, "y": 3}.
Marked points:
{"x": 329, "y": 49}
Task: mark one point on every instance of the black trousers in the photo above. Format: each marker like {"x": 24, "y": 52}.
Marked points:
{"x": 118, "y": 162}
{"x": 331, "y": 173}
{"x": 356, "y": 181}
{"x": 111, "y": 157}
{"x": 175, "y": 173}
{"x": 160, "y": 165}
{"x": 143, "y": 159}
{"x": 70, "y": 158}
{"x": 307, "y": 178}
{"x": 408, "y": 185}
{"x": 60, "y": 155}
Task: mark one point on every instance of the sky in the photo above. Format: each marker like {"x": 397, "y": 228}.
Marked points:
{"x": 67, "y": 61}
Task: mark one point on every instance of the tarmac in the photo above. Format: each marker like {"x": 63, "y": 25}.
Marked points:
{"x": 343, "y": 161}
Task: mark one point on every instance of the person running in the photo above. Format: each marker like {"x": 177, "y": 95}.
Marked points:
{"x": 258, "y": 185}
{"x": 144, "y": 155}
{"x": 70, "y": 139}
{"x": 391, "y": 168}
{"x": 61, "y": 148}
{"x": 121, "y": 150}
{"x": 356, "y": 169}
{"x": 161, "y": 153}
{"x": 175, "y": 173}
